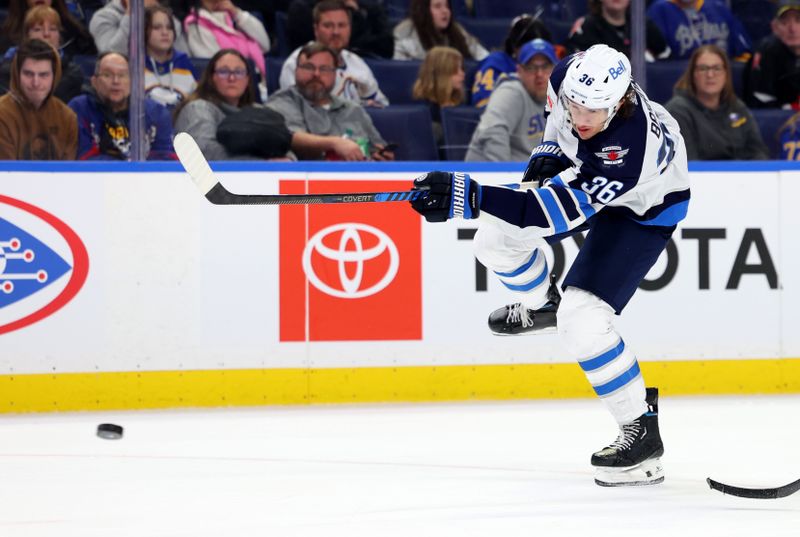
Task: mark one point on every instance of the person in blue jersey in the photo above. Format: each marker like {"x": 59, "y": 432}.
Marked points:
{"x": 611, "y": 162}
{"x": 687, "y": 24}
{"x": 523, "y": 28}
{"x": 168, "y": 75}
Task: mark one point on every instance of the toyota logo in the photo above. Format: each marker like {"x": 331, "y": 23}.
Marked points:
{"x": 351, "y": 234}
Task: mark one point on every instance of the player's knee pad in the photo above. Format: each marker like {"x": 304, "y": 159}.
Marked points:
{"x": 521, "y": 264}
{"x": 585, "y": 323}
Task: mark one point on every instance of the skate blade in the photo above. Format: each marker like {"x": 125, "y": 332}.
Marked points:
{"x": 534, "y": 332}
{"x": 650, "y": 472}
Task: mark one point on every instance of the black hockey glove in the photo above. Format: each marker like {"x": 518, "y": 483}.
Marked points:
{"x": 546, "y": 161}
{"x": 447, "y": 195}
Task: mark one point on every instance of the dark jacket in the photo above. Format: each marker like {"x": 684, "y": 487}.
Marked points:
{"x": 727, "y": 133}
{"x": 772, "y": 77}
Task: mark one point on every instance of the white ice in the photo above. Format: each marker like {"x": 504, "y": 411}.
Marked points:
{"x": 469, "y": 469}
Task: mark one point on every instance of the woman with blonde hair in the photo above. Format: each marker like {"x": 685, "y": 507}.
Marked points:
{"x": 440, "y": 83}
{"x": 44, "y": 23}
{"x": 714, "y": 122}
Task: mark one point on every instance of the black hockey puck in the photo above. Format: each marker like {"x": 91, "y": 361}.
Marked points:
{"x": 109, "y": 431}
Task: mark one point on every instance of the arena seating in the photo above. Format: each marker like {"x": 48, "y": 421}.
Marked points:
{"x": 409, "y": 126}
{"x": 458, "y": 124}
{"x": 769, "y": 121}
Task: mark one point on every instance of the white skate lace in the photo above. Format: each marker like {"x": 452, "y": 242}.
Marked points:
{"x": 627, "y": 435}
{"x": 519, "y": 313}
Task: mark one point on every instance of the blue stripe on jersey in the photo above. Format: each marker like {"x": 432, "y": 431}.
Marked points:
{"x": 553, "y": 209}
{"x": 619, "y": 382}
{"x": 585, "y": 203}
{"x": 669, "y": 216}
{"x": 599, "y": 361}
{"x": 567, "y": 203}
{"x": 521, "y": 269}
{"x": 534, "y": 283}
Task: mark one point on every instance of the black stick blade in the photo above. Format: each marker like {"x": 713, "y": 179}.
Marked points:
{"x": 759, "y": 494}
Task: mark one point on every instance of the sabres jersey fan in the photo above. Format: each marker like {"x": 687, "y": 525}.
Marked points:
{"x": 611, "y": 162}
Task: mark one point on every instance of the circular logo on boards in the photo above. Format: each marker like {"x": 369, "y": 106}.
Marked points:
{"x": 352, "y": 247}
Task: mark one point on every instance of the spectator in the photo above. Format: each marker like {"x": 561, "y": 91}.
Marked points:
{"x": 111, "y": 27}
{"x": 35, "y": 124}
{"x": 354, "y": 79}
{"x": 608, "y": 23}
{"x": 216, "y": 24}
{"x": 789, "y": 136}
{"x": 371, "y": 34}
{"x": 715, "y": 124}
{"x": 503, "y": 62}
{"x": 168, "y": 76}
{"x": 103, "y": 116}
{"x": 75, "y": 38}
{"x": 43, "y": 22}
{"x": 323, "y": 125}
{"x": 431, "y": 23}
{"x": 688, "y": 24}
{"x": 772, "y": 79}
{"x": 440, "y": 84}
{"x": 513, "y": 122}
{"x": 225, "y": 92}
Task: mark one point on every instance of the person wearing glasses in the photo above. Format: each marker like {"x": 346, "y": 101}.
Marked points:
{"x": 225, "y": 87}
{"x": 104, "y": 115}
{"x": 513, "y": 122}
{"x": 715, "y": 123}
{"x": 325, "y": 126}
{"x": 354, "y": 79}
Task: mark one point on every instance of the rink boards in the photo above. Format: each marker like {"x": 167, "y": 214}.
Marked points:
{"x": 121, "y": 287}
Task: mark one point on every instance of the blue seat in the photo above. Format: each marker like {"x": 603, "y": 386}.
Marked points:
{"x": 737, "y": 76}
{"x": 490, "y": 32}
{"x": 274, "y": 66}
{"x": 280, "y": 47}
{"x": 756, "y": 17}
{"x": 198, "y": 66}
{"x": 86, "y": 63}
{"x": 661, "y": 78}
{"x": 395, "y": 78}
{"x": 554, "y": 9}
{"x": 769, "y": 122}
{"x": 398, "y": 9}
{"x": 458, "y": 124}
{"x": 409, "y": 126}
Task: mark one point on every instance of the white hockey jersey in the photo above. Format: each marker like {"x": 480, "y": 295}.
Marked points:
{"x": 637, "y": 166}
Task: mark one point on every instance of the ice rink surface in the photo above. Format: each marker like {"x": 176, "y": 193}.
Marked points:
{"x": 463, "y": 469}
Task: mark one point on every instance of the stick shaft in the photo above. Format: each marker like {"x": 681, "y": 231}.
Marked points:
{"x": 218, "y": 195}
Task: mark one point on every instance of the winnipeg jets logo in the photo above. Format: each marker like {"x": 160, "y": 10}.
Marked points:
{"x": 612, "y": 155}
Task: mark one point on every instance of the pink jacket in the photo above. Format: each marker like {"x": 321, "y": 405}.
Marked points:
{"x": 229, "y": 36}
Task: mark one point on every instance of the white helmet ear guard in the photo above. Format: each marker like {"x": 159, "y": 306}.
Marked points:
{"x": 597, "y": 79}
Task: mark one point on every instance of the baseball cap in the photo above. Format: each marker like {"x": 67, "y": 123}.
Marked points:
{"x": 786, "y": 5}
{"x": 534, "y": 47}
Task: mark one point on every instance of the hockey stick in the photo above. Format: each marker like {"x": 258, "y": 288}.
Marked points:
{"x": 197, "y": 167}
{"x": 761, "y": 494}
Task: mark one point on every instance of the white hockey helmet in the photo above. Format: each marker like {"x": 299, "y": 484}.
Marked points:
{"x": 598, "y": 79}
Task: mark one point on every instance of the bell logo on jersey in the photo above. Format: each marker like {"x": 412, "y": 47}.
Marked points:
{"x": 344, "y": 266}
{"x": 37, "y": 251}
{"x": 612, "y": 155}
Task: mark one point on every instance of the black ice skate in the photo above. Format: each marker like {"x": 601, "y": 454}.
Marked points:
{"x": 635, "y": 456}
{"x": 516, "y": 319}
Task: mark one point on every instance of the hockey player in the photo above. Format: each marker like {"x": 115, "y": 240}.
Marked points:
{"x": 611, "y": 162}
